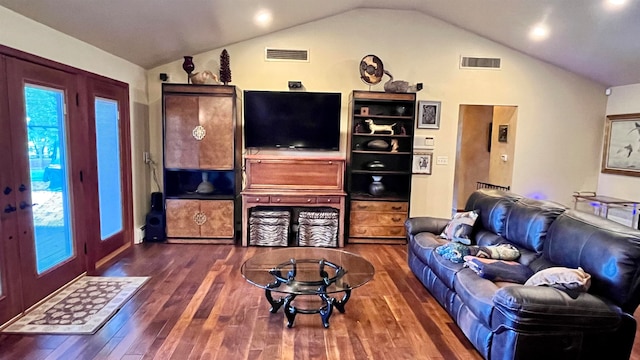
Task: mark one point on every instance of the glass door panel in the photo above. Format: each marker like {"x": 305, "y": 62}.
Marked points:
{"x": 48, "y": 169}
{"x": 109, "y": 173}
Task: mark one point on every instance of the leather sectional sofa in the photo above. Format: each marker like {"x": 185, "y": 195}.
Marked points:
{"x": 505, "y": 320}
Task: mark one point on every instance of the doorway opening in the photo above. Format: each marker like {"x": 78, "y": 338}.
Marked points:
{"x": 485, "y": 150}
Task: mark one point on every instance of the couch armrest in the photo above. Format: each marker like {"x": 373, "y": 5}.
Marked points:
{"x": 533, "y": 308}
{"x": 417, "y": 225}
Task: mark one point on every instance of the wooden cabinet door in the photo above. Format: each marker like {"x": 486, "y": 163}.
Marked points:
{"x": 181, "y": 117}
{"x": 216, "y": 117}
{"x": 219, "y": 214}
{"x": 181, "y": 218}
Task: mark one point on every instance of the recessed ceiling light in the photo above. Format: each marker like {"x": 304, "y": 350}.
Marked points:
{"x": 263, "y": 18}
{"x": 614, "y": 4}
{"x": 539, "y": 32}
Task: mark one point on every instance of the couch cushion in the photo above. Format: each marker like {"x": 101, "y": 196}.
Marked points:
{"x": 476, "y": 293}
{"x": 492, "y": 206}
{"x": 444, "y": 269}
{"x": 528, "y": 220}
{"x": 424, "y": 244}
{"x": 608, "y": 251}
{"x": 540, "y": 308}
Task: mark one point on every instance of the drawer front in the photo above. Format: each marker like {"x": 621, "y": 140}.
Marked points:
{"x": 373, "y": 218}
{"x": 356, "y": 231}
{"x": 257, "y": 199}
{"x": 295, "y": 174}
{"x": 389, "y": 206}
{"x": 328, "y": 199}
{"x": 293, "y": 199}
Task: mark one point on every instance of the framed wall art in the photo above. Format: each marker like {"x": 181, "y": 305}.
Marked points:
{"x": 621, "y": 153}
{"x": 422, "y": 162}
{"x": 428, "y": 114}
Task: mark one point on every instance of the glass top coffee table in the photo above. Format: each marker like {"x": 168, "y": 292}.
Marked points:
{"x": 307, "y": 271}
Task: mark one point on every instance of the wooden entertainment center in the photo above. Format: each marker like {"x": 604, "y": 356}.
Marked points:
{"x": 292, "y": 182}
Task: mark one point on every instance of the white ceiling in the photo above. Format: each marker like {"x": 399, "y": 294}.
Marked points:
{"x": 585, "y": 37}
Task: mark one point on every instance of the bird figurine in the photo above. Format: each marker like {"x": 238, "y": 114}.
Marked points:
{"x": 400, "y": 86}
{"x": 202, "y": 77}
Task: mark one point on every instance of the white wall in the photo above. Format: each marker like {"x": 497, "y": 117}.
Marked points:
{"x": 559, "y": 114}
{"x": 24, "y": 34}
{"x": 623, "y": 100}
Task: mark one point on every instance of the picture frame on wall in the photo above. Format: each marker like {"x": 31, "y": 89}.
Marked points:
{"x": 428, "y": 114}
{"x": 621, "y": 153}
{"x": 422, "y": 162}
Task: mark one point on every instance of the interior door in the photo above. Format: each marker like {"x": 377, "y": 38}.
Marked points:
{"x": 109, "y": 131}
{"x": 46, "y": 174}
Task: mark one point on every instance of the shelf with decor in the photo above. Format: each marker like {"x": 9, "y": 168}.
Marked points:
{"x": 379, "y": 165}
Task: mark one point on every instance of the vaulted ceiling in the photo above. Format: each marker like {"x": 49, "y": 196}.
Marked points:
{"x": 598, "y": 39}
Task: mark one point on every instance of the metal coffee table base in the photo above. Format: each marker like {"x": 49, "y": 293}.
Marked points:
{"x": 325, "y": 310}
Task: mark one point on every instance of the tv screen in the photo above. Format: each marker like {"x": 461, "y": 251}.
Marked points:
{"x": 295, "y": 120}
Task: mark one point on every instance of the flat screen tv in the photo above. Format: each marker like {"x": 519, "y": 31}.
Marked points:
{"x": 292, "y": 120}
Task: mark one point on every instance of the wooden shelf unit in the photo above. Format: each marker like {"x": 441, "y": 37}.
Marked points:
{"x": 379, "y": 218}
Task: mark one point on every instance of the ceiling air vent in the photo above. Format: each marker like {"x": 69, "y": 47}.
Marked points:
{"x": 286, "y": 55}
{"x": 468, "y": 62}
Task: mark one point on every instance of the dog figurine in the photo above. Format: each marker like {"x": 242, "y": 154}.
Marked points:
{"x": 373, "y": 127}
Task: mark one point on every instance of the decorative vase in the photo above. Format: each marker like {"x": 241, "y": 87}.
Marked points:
{"x": 376, "y": 188}
{"x": 375, "y": 165}
{"x": 205, "y": 187}
{"x": 188, "y": 66}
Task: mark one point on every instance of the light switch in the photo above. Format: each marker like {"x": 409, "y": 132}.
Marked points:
{"x": 430, "y": 141}
{"x": 442, "y": 160}
{"x": 504, "y": 157}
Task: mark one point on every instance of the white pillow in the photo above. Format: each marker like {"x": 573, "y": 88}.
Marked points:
{"x": 562, "y": 278}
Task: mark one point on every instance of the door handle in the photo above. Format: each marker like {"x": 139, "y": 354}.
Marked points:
{"x": 24, "y": 205}
{"x": 9, "y": 209}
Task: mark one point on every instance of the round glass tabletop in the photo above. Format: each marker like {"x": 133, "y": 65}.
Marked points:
{"x": 301, "y": 270}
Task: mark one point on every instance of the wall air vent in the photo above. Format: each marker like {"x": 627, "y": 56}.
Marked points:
{"x": 468, "y": 62}
{"x": 286, "y": 55}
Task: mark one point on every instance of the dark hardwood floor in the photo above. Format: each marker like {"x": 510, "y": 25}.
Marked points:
{"x": 197, "y": 306}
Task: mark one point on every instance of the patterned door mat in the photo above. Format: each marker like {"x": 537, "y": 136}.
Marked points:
{"x": 80, "y": 308}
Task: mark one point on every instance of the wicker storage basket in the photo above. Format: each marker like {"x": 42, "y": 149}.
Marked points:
{"x": 269, "y": 228}
{"x": 318, "y": 228}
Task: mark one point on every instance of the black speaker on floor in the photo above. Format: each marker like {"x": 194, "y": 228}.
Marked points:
{"x": 154, "y": 230}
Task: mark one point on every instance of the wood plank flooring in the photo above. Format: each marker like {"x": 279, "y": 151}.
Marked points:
{"x": 197, "y": 306}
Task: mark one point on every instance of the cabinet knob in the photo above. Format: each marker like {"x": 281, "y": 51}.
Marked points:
{"x": 7, "y": 190}
{"x": 396, "y": 219}
{"x": 278, "y": 200}
{"x": 257, "y": 199}
{"x": 200, "y": 218}
{"x": 199, "y": 132}
{"x": 308, "y": 200}
{"x": 9, "y": 209}
{"x": 396, "y": 207}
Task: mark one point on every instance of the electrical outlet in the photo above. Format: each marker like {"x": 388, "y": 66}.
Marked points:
{"x": 146, "y": 157}
{"x": 442, "y": 160}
